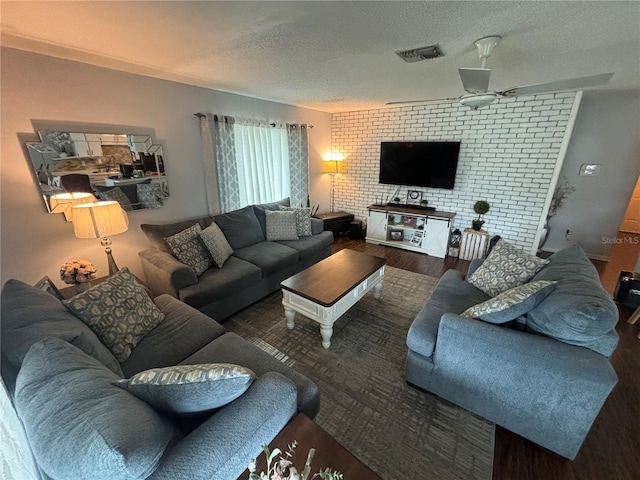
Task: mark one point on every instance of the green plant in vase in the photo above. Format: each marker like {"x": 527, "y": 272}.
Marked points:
{"x": 480, "y": 207}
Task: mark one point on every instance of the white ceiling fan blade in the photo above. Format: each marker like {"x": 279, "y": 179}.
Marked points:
{"x": 569, "y": 84}
{"x": 435, "y": 100}
{"x": 475, "y": 80}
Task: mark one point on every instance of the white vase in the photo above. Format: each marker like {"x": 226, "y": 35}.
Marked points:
{"x": 81, "y": 287}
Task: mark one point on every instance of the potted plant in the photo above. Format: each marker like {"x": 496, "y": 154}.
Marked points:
{"x": 480, "y": 207}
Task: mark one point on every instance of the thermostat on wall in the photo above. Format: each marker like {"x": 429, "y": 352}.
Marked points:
{"x": 590, "y": 169}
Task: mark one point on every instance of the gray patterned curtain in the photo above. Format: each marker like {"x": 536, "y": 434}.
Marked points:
{"x": 221, "y": 173}
{"x": 298, "y": 163}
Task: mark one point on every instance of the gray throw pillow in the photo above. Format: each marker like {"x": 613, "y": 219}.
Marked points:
{"x": 216, "y": 243}
{"x": 511, "y": 304}
{"x": 119, "y": 311}
{"x": 117, "y": 195}
{"x": 81, "y": 426}
{"x": 506, "y": 267}
{"x": 303, "y": 220}
{"x": 189, "y": 249}
{"x": 281, "y": 225}
{"x": 190, "y": 388}
{"x": 150, "y": 195}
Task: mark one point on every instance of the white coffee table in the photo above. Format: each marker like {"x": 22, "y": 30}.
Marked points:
{"x": 326, "y": 290}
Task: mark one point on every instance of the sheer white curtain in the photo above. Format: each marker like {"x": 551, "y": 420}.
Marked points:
{"x": 250, "y": 161}
{"x": 263, "y": 162}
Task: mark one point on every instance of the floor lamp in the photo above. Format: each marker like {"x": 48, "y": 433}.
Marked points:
{"x": 335, "y": 158}
{"x": 100, "y": 220}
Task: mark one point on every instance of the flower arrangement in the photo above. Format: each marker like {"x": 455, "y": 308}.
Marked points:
{"x": 283, "y": 468}
{"x": 77, "y": 271}
{"x": 563, "y": 190}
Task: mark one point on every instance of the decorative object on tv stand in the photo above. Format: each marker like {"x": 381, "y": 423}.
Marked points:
{"x": 78, "y": 273}
{"x": 414, "y": 197}
{"x": 283, "y": 469}
{"x": 480, "y": 207}
{"x": 100, "y": 219}
{"x": 333, "y": 170}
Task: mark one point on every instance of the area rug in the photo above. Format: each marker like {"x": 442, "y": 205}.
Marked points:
{"x": 397, "y": 430}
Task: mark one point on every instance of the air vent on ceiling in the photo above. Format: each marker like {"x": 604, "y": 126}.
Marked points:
{"x": 418, "y": 54}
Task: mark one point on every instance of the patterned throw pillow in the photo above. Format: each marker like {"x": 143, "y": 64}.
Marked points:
{"x": 217, "y": 244}
{"x": 189, "y": 249}
{"x": 119, "y": 311}
{"x": 281, "y": 225}
{"x": 303, "y": 220}
{"x": 150, "y": 195}
{"x": 116, "y": 194}
{"x": 506, "y": 267}
{"x": 189, "y": 388}
{"x": 511, "y": 304}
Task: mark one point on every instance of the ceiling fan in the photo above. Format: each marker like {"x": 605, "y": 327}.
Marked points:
{"x": 476, "y": 82}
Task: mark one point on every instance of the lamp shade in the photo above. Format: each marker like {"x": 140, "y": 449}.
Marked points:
{"x": 99, "y": 219}
{"x": 62, "y": 202}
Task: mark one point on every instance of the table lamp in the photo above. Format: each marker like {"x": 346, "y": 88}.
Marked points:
{"x": 100, "y": 219}
{"x": 62, "y": 202}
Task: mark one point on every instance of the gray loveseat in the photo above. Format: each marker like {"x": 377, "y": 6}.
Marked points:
{"x": 255, "y": 269}
{"x": 544, "y": 375}
{"x": 81, "y": 426}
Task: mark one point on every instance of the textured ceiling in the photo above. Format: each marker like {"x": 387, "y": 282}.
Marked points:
{"x": 335, "y": 56}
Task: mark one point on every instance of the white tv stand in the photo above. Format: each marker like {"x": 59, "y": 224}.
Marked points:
{"x": 410, "y": 228}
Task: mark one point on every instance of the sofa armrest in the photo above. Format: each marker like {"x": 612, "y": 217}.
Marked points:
{"x": 473, "y": 266}
{"x": 542, "y": 389}
{"x": 223, "y": 445}
{"x": 164, "y": 273}
{"x": 317, "y": 226}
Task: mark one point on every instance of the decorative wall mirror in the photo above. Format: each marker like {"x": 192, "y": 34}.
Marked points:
{"x": 76, "y": 167}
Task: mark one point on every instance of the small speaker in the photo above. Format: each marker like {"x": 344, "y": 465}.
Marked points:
{"x": 355, "y": 230}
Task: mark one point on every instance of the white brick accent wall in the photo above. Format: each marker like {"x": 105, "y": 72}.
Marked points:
{"x": 508, "y": 154}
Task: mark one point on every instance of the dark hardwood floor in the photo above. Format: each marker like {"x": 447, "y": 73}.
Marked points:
{"x": 611, "y": 450}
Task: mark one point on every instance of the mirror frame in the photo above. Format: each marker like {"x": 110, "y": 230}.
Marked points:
{"x": 81, "y": 152}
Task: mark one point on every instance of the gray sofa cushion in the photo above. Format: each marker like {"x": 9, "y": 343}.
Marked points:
{"x": 270, "y": 257}
{"x": 235, "y": 275}
{"x": 452, "y": 295}
{"x": 310, "y": 246}
{"x": 260, "y": 209}
{"x": 188, "y": 247}
{"x": 240, "y": 227}
{"x": 579, "y": 311}
{"x": 79, "y": 425}
{"x": 231, "y": 348}
{"x": 157, "y": 233}
{"x": 189, "y": 388}
{"x": 131, "y": 191}
{"x": 183, "y": 331}
{"x": 30, "y": 314}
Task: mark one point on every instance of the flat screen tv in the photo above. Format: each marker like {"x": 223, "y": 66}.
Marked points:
{"x": 422, "y": 164}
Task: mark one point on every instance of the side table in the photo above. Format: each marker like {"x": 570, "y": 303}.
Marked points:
{"x": 337, "y": 222}
{"x": 473, "y": 244}
{"x": 329, "y": 453}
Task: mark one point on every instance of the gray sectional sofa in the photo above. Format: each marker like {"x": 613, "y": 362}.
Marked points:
{"x": 544, "y": 375}
{"x": 255, "y": 269}
{"x": 81, "y": 425}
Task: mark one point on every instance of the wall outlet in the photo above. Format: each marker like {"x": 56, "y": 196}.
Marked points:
{"x": 568, "y": 235}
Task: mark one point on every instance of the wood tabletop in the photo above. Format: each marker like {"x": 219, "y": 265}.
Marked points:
{"x": 329, "y": 280}
{"x": 329, "y": 453}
